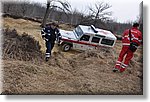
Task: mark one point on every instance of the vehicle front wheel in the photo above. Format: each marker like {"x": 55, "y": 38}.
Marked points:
{"x": 66, "y": 47}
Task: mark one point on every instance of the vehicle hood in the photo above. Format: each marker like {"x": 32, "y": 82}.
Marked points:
{"x": 68, "y": 34}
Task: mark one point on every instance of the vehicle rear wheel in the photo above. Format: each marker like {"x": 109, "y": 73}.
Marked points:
{"x": 66, "y": 47}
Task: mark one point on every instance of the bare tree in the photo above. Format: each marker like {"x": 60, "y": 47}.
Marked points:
{"x": 85, "y": 19}
{"x": 7, "y": 7}
{"x": 46, "y": 14}
{"x": 52, "y": 4}
{"x": 73, "y": 16}
{"x": 24, "y": 8}
{"x": 99, "y": 12}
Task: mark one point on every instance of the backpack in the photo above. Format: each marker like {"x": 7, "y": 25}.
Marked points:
{"x": 133, "y": 45}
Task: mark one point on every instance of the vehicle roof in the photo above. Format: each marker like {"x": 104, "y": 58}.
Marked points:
{"x": 89, "y": 30}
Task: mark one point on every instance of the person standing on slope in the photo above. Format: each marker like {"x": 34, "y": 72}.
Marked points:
{"x": 50, "y": 33}
{"x": 131, "y": 39}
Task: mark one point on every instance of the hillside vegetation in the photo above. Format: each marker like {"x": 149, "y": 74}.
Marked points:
{"x": 89, "y": 72}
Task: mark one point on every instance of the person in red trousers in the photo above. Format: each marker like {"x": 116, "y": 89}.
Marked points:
{"x": 131, "y": 39}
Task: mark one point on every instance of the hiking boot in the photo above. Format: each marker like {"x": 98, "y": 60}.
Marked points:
{"x": 46, "y": 59}
{"x": 115, "y": 70}
{"x": 122, "y": 70}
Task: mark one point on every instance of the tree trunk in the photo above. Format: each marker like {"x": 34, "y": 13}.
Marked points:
{"x": 46, "y": 15}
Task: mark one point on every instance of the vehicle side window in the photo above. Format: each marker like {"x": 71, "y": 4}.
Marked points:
{"x": 107, "y": 42}
{"x": 95, "y": 40}
{"x": 85, "y": 38}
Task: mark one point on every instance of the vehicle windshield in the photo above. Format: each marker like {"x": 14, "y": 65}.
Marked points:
{"x": 78, "y": 31}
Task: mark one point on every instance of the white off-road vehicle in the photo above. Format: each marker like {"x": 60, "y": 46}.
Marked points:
{"x": 86, "y": 38}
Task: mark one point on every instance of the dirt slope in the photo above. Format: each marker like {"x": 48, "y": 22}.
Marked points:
{"x": 86, "y": 73}
{"x": 29, "y": 27}
{"x": 77, "y": 73}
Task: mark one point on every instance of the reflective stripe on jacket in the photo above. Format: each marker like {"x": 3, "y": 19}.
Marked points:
{"x": 136, "y": 36}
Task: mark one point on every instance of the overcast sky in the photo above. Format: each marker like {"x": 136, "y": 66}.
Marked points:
{"x": 122, "y": 10}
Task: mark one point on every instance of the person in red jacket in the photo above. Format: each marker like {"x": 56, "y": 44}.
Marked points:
{"x": 131, "y": 39}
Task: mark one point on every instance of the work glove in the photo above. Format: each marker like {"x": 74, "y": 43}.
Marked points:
{"x": 43, "y": 37}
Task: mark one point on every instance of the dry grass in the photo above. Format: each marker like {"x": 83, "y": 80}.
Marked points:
{"x": 20, "y": 47}
{"x": 77, "y": 73}
{"x": 85, "y": 73}
{"x": 21, "y": 25}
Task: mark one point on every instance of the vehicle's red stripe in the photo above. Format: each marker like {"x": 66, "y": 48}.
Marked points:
{"x": 78, "y": 42}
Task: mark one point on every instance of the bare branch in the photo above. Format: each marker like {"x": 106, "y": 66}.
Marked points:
{"x": 99, "y": 11}
{"x": 52, "y": 4}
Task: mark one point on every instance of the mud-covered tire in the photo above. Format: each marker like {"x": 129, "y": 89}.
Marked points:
{"x": 66, "y": 47}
